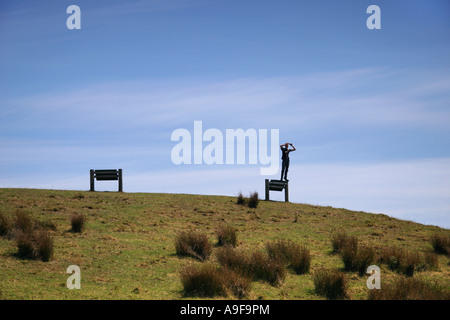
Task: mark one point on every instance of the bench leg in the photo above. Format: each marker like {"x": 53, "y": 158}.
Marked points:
{"x": 267, "y": 189}
{"x": 120, "y": 180}
{"x": 286, "y": 192}
{"x": 92, "y": 180}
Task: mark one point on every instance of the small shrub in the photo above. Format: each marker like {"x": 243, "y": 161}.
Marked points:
{"x": 203, "y": 281}
{"x": 410, "y": 289}
{"x": 253, "y": 200}
{"x": 441, "y": 244}
{"x": 5, "y": 226}
{"x": 193, "y": 244}
{"x": 240, "y": 199}
{"x": 341, "y": 240}
{"x": 77, "y": 221}
{"x": 226, "y": 235}
{"x": 330, "y": 284}
{"x": 295, "y": 256}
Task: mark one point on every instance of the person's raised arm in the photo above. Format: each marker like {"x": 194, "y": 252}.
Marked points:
{"x": 292, "y": 147}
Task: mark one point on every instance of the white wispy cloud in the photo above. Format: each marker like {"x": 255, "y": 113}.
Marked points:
{"x": 304, "y": 102}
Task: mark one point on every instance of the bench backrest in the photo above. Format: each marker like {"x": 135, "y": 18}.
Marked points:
{"x": 277, "y": 185}
{"x": 106, "y": 174}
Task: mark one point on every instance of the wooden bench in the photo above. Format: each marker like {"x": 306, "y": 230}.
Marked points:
{"x": 104, "y": 175}
{"x": 277, "y": 185}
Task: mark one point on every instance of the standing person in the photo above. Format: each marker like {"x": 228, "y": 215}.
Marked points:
{"x": 285, "y": 157}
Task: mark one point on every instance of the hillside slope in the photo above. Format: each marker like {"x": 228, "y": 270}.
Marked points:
{"x": 127, "y": 250}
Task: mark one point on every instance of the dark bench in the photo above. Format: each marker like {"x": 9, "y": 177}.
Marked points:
{"x": 277, "y": 185}
{"x": 104, "y": 175}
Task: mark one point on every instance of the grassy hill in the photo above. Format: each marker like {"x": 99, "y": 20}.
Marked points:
{"x": 127, "y": 250}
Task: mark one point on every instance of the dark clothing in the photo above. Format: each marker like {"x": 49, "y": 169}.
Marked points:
{"x": 285, "y": 163}
{"x": 285, "y": 153}
{"x": 284, "y": 168}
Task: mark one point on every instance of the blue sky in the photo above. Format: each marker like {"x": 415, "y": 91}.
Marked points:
{"x": 368, "y": 110}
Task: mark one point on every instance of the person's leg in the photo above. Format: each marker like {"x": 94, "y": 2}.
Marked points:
{"x": 283, "y": 168}
{"x": 286, "y": 169}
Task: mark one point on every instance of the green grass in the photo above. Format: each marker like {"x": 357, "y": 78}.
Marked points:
{"x": 127, "y": 248}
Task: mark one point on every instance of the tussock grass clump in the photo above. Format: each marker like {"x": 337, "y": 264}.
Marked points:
{"x": 441, "y": 244}
{"x": 203, "y": 281}
{"x": 226, "y": 236}
{"x": 77, "y": 221}
{"x": 240, "y": 199}
{"x": 430, "y": 261}
{"x": 207, "y": 280}
{"x": 23, "y": 222}
{"x": 233, "y": 260}
{"x": 266, "y": 269}
{"x": 32, "y": 237}
{"x": 330, "y": 284}
{"x": 253, "y": 200}
{"x": 293, "y": 255}
{"x": 25, "y": 245}
{"x": 400, "y": 260}
{"x": 5, "y": 225}
{"x": 341, "y": 240}
{"x": 355, "y": 257}
{"x": 37, "y": 244}
{"x": 193, "y": 244}
{"x": 301, "y": 262}
{"x": 410, "y": 289}
{"x": 255, "y": 265}
{"x": 358, "y": 259}
{"x": 236, "y": 283}
{"x": 43, "y": 245}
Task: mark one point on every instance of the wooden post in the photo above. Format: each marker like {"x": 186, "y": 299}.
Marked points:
{"x": 286, "y": 192}
{"x": 120, "y": 180}
{"x": 267, "y": 189}
{"x": 92, "y": 180}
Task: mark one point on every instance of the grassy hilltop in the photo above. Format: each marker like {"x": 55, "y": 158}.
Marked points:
{"x": 127, "y": 249}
